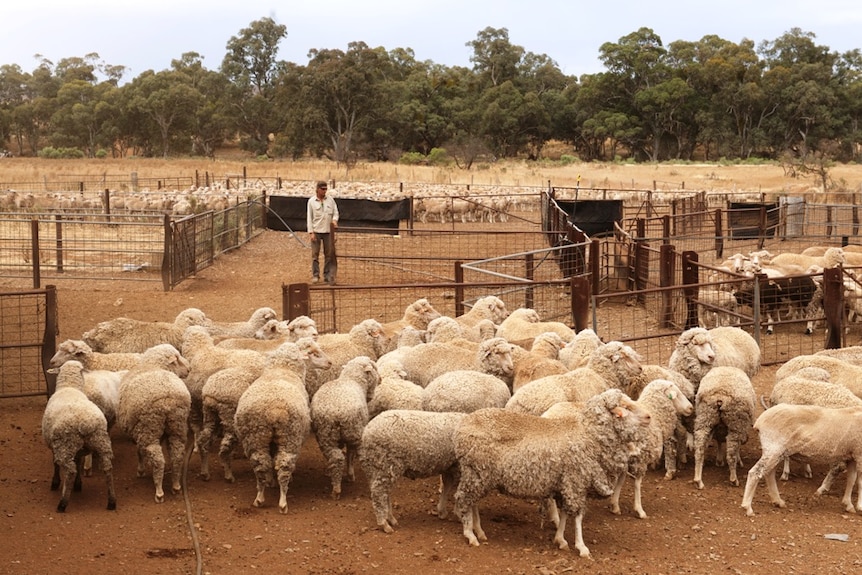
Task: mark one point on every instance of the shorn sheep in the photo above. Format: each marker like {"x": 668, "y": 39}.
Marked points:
{"x": 819, "y": 434}
{"x": 273, "y": 420}
{"x": 465, "y": 391}
{"x": 154, "y": 407}
{"x": 408, "y": 443}
{"x": 525, "y": 324}
{"x": 128, "y": 335}
{"x": 665, "y": 403}
{"x": 73, "y": 426}
{"x": 248, "y": 328}
{"x": 417, "y": 315}
{"x": 536, "y": 458}
{"x": 840, "y": 371}
{"x": 339, "y": 413}
{"x": 76, "y": 349}
{"x": 725, "y": 401}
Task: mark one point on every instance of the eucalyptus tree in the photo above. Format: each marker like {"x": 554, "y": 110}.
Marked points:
{"x": 849, "y": 75}
{"x": 253, "y": 70}
{"x": 800, "y": 82}
{"x": 209, "y": 123}
{"x": 13, "y": 93}
{"x": 82, "y": 116}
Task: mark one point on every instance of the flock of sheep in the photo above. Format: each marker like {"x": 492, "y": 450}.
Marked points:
{"x": 493, "y": 400}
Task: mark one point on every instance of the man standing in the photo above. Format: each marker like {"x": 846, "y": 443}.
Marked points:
{"x": 322, "y": 221}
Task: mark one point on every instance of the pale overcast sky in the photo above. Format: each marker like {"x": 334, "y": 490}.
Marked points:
{"x": 148, "y": 35}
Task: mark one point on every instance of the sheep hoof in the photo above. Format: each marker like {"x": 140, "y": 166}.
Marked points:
{"x": 282, "y": 510}
{"x": 204, "y": 476}
{"x": 112, "y": 504}
{"x": 387, "y": 528}
{"x": 808, "y": 331}
{"x": 160, "y": 498}
{"x": 61, "y": 507}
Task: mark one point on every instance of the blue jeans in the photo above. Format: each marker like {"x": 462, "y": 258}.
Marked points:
{"x": 329, "y": 264}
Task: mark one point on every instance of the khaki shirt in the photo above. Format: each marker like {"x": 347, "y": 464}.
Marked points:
{"x": 321, "y": 214}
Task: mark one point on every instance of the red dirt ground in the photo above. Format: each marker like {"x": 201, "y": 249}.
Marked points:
{"x": 687, "y": 531}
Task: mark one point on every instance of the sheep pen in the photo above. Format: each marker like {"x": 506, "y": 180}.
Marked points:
{"x": 321, "y": 535}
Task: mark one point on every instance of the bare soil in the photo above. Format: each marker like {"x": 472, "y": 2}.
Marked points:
{"x": 214, "y": 527}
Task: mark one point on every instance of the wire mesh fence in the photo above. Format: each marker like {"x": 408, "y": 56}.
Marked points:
{"x": 28, "y": 328}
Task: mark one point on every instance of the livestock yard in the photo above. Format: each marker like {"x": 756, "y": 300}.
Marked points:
{"x": 212, "y": 527}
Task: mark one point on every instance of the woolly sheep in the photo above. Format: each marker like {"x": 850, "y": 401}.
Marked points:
{"x": 665, "y": 403}
{"x": 423, "y": 362}
{"x": 125, "y": 335}
{"x": 395, "y": 392}
{"x": 611, "y": 365}
{"x": 820, "y": 434}
{"x": 488, "y": 307}
{"x": 273, "y": 420}
{"x": 697, "y": 350}
{"x": 76, "y": 349}
{"x": 154, "y": 407}
{"x": 534, "y": 457}
{"x": 840, "y": 371}
{"x": 465, "y": 391}
{"x": 408, "y": 443}
{"x": 248, "y": 328}
{"x": 540, "y": 361}
{"x": 417, "y": 315}
{"x": 365, "y": 338}
{"x": 577, "y": 352}
{"x": 725, "y": 399}
{"x": 72, "y": 425}
{"x": 220, "y": 395}
{"x": 339, "y": 413}
{"x": 273, "y": 334}
{"x": 525, "y": 323}
{"x": 445, "y": 328}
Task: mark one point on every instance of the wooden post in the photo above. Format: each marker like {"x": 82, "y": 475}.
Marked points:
{"x": 58, "y": 232}
{"x": 690, "y": 279}
{"x": 37, "y": 266}
{"x": 167, "y": 253}
{"x": 49, "y": 338}
{"x": 295, "y": 301}
{"x": 665, "y": 229}
{"x": 833, "y": 307}
{"x": 595, "y": 267}
{"x": 459, "y": 289}
{"x": 580, "y": 288}
{"x": 666, "y": 279}
{"x": 719, "y": 237}
{"x": 528, "y": 274}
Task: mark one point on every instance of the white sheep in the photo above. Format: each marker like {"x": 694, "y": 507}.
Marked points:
{"x": 126, "y": 335}
{"x": 78, "y": 350}
{"x": 536, "y": 458}
{"x": 665, "y": 403}
{"x": 525, "y": 324}
{"x": 273, "y": 420}
{"x": 488, "y": 307}
{"x": 465, "y": 391}
{"x": 417, "y": 315}
{"x": 339, "y": 413}
{"x": 154, "y": 407}
{"x": 248, "y": 328}
{"x": 840, "y": 371}
{"x": 819, "y": 434}
{"x": 408, "y": 443}
{"x": 612, "y": 365}
{"x": 445, "y": 328}
{"x": 273, "y": 334}
{"x": 423, "y": 362}
{"x": 577, "y": 352}
{"x": 725, "y": 401}
{"x": 697, "y": 350}
{"x": 395, "y": 392}
{"x": 220, "y": 395}
{"x": 72, "y": 426}
{"x": 365, "y": 338}
{"x": 540, "y": 361}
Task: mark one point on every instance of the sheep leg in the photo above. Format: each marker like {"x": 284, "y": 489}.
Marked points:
{"x": 351, "y": 463}
{"x": 733, "y": 459}
{"x": 202, "y": 442}
{"x": 615, "y": 496}
{"x": 380, "y": 487}
{"x": 176, "y": 451}
{"x": 262, "y": 465}
{"x": 69, "y": 475}
{"x": 88, "y": 465}
{"x": 285, "y": 464}
{"x": 552, "y": 511}
{"x": 225, "y": 454}
{"x": 785, "y": 473}
{"x": 560, "y": 534}
{"x": 670, "y": 457}
{"x": 639, "y": 479}
{"x": 830, "y": 477}
{"x": 477, "y": 523}
{"x": 156, "y": 459}
{"x": 335, "y": 468}
{"x": 847, "y": 499}
{"x": 763, "y": 469}
{"x": 701, "y": 438}
{"x": 55, "y": 478}
{"x": 448, "y": 483}
{"x": 579, "y": 534}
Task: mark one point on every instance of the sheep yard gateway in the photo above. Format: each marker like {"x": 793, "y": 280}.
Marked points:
{"x": 687, "y": 530}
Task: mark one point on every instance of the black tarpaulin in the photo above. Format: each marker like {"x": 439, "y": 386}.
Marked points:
{"x": 289, "y": 212}
{"x": 593, "y": 217}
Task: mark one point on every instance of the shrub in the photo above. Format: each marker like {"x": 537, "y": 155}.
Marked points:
{"x": 439, "y": 157}
{"x": 51, "y": 153}
{"x": 412, "y": 159}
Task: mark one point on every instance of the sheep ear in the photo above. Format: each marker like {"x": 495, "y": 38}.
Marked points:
{"x": 620, "y": 412}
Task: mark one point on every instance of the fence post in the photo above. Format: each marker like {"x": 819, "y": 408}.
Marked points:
{"x": 58, "y": 232}
{"x": 755, "y": 305}
{"x": 833, "y": 307}
{"x": 761, "y": 228}
{"x": 167, "y": 254}
{"x": 580, "y": 288}
{"x": 595, "y": 268}
{"x": 690, "y": 279}
{"x": 459, "y": 289}
{"x": 37, "y": 266}
{"x": 665, "y": 229}
{"x": 49, "y": 338}
{"x": 528, "y": 274}
{"x": 641, "y": 269}
{"x": 295, "y": 301}
{"x": 719, "y": 236}
{"x": 666, "y": 279}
